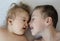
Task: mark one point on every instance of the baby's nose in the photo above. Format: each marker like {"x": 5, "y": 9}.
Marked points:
{"x": 24, "y": 27}
{"x": 26, "y": 24}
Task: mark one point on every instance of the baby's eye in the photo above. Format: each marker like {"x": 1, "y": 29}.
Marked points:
{"x": 24, "y": 20}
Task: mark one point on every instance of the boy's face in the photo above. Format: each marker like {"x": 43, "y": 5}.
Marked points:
{"x": 20, "y": 24}
{"x": 37, "y": 23}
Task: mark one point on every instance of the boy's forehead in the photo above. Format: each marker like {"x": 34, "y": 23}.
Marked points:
{"x": 37, "y": 12}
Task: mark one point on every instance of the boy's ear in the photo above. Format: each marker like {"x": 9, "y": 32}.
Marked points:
{"x": 48, "y": 21}
{"x": 10, "y": 21}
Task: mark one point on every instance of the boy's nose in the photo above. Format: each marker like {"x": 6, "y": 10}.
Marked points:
{"x": 29, "y": 23}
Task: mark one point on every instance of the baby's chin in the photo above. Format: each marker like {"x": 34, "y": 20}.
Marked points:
{"x": 19, "y": 33}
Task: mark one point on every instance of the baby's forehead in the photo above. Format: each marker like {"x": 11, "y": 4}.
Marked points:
{"x": 19, "y": 11}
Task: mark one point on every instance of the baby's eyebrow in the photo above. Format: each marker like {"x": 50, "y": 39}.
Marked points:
{"x": 23, "y": 17}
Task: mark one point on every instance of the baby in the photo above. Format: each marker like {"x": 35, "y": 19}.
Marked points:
{"x": 17, "y": 23}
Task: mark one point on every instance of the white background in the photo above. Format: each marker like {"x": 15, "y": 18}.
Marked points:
{"x": 5, "y": 5}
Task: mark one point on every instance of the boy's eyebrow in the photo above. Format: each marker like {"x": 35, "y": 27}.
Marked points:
{"x": 32, "y": 15}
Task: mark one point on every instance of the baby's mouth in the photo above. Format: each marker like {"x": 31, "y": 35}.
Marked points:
{"x": 24, "y": 28}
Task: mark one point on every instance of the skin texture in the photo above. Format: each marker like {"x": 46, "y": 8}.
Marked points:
{"x": 16, "y": 28}
{"x": 7, "y": 36}
{"x": 43, "y": 27}
{"x": 36, "y": 23}
{"x": 20, "y": 23}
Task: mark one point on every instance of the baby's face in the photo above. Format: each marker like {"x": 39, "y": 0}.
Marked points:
{"x": 20, "y": 24}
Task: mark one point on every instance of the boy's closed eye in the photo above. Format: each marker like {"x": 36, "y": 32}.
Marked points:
{"x": 32, "y": 19}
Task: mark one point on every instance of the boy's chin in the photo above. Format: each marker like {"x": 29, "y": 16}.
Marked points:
{"x": 37, "y": 37}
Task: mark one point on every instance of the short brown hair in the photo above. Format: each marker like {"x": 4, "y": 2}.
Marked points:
{"x": 49, "y": 11}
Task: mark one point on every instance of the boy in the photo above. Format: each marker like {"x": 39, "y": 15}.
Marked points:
{"x": 43, "y": 23}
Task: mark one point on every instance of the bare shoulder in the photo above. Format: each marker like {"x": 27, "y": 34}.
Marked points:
{"x": 6, "y": 36}
{"x": 2, "y": 31}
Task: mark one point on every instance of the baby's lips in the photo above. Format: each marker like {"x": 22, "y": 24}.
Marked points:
{"x": 24, "y": 28}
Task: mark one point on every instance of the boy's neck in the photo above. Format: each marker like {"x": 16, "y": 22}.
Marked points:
{"x": 49, "y": 34}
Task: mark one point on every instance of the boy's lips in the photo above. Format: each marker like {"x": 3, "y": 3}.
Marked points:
{"x": 31, "y": 28}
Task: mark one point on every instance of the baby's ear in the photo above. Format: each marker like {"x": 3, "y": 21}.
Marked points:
{"x": 10, "y": 21}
